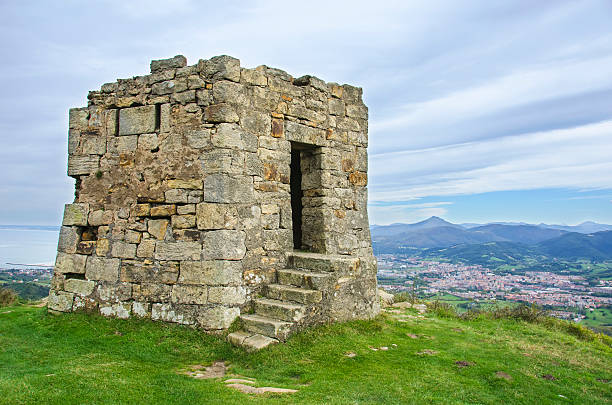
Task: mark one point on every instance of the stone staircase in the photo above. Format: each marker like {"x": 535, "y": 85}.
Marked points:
{"x": 294, "y": 302}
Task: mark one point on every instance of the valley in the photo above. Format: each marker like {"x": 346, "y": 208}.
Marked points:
{"x": 568, "y": 273}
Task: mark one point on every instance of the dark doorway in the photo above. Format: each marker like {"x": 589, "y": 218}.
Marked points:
{"x": 296, "y": 195}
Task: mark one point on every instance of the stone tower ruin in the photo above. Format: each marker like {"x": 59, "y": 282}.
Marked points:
{"x": 210, "y": 193}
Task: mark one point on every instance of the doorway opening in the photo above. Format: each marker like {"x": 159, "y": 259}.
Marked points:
{"x": 296, "y": 194}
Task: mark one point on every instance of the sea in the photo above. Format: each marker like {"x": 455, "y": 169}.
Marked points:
{"x": 27, "y": 245}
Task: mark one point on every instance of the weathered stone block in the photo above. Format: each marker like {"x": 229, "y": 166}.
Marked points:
{"x": 68, "y": 239}
{"x": 78, "y": 118}
{"x": 336, "y": 107}
{"x": 210, "y": 216}
{"x": 253, "y": 76}
{"x": 114, "y": 292}
{"x": 152, "y": 292}
{"x": 220, "y": 67}
{"x": 101, "y": 268}
{"x": 221, "y": 188}
{"x": 185, "y": 97}
{"x": 222, "y": 112}
{"x": 211, "y": 272}
{"x": 178, "y": 61}
{"x": 301, "y": 133}
{"x": 137, "y": 120}
{"x": 123, "y": 250}
{"x": 204, "y": 97}
{"x": 141, "y": 210}
{"x": 178, "y": 250}
{"x": 148, "y": 141}
{"x": 278, "y": 128}
{"x": 227, "y": 295}
{"x": 169, "y": 87}
{"x": 70, "y": 263}
{"x": 255, "y": 122}
{"x": 359, "y": 179}
{"x": 81, "y": 287}
{"x": 157, "y": 228}
{"x": 141, "y": 309}
{"x": 123, "y": 145}
{"x": 357, "y": 111}
{"x": 146, "y": 248}
{"x": 177, "y": 195}
{"x": 102, "y": 247}
{"x": 100, "y": 217}
{"x": 75, "y": 214}
{"x": 224, "y": 244}
{"x": 217, "y": 318}
{"x": 93, "y": 145}
{"x": 171, "y": 313}
{"x": 193, "y": 184}
{"x": 132, "y": 236}
{"x": 163, "y": 210}
{"x": 198, "y": 138}
{"x": 229, "y": 92}
{"x": 183, "y": 221}
{"x": 165, "y": 124}
{"x": 84, "y": 304}
{"x": 223, "y": 161}
{"x": 143, "y": 272}
{"x": 60, "y": 301}
{"x": 121, "y": 310}
{"x": 186, "y": 209}
{"x": 189, "y": 294}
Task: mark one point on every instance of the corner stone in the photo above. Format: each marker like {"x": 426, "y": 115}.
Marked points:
{"x": 75, "y": 214}
{"x": 60, "y": 301}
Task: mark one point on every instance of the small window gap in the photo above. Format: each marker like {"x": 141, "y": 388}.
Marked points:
{"x": 88, "y": 233}
{"x": 117, "y": 122}
{"x": 76, "y": 276}
{"x": 157, "y": 117}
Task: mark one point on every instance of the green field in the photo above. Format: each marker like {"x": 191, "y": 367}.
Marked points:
{"x": 77, "y": 358}
{"x": 463, "y": 305}
{"x": 599, "y": 317}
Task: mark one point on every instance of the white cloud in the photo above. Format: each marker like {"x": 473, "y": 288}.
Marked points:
{"x": 576, "y": 157}
{"x": 435, "y": 122}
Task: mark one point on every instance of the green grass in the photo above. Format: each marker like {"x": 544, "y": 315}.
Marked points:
{"x": 79, "y": 358}
{"x": 599, "y": 317}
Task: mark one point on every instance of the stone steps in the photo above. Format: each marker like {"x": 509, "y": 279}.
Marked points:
{"x": 288, "y": 304}
{"x": 282, "y": 310}
{"x": 250, "y": 341}
{"x": 295, "y": 294}
{"x": 318, "y": 262}
{"x": 263, "y": 325}
{"x": 303, "y": 278}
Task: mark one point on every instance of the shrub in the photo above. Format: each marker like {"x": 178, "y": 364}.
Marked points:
{"x": 405, "y": 296}
{"x": 520, "y": 313}
{"x": 442, "y": 309}
{"x": 7, "y": 297}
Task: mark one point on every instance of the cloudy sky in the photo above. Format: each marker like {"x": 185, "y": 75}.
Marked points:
{"x": 478, "y": 112}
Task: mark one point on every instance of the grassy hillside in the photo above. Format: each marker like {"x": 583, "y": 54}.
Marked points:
{"x": 77, "y": 358}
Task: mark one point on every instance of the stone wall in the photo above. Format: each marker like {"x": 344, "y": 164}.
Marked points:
{"x": 182, "y": 207}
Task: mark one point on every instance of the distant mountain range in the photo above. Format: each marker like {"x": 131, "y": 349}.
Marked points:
{"x": 587, "y": 240}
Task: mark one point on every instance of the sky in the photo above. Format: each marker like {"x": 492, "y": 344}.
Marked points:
{"x": 480, "y": 111}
